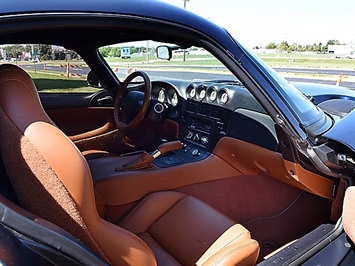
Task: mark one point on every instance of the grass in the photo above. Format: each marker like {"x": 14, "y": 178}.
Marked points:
{"x": 273, "y": 59}
{"x": 307, "y": 60}
{"x": 49, "y": 82}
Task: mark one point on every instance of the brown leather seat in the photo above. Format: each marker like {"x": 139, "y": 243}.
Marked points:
{"x": 349, "y": 213}
{"x": 51, "y": 178}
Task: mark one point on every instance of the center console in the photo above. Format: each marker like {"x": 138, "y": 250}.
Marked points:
{"x": 201, "y": 127}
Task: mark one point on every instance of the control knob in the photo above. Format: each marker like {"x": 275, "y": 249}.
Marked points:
{"x": 189, "y": 135}
{"x": 204, "y": 140}
{"x": 195, "y": 152}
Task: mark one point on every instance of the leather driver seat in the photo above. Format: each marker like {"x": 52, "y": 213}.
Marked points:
{"x": 51, "y": 179}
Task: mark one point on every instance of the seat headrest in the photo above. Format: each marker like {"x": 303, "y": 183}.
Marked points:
{"x": 17, "y": 85}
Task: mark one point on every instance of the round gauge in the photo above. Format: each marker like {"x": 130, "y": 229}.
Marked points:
{"x": 192, "y": 92}
{"x": 161, "y": 95}
{"x": 174, "y": 99}
{"x": 224, "y": 97}
{"x": 211, "y": 95}
{"x": 202, "y": 94}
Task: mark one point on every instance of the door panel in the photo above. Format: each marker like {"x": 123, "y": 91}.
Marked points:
{"x": 80, "y": 121}
{"x": 87, "y": 119}
{"x": 101, "y": 98}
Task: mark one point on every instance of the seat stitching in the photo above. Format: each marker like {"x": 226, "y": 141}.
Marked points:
{"x": 228, "y": 243}
{"x": 235, "y": 238}
{"x": 233, "y": 251}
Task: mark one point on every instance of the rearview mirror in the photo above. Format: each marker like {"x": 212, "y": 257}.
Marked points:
{"x": 164, "y": 52}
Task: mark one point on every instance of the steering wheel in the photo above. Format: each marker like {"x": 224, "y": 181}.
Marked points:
{"x": 126, "y": 104}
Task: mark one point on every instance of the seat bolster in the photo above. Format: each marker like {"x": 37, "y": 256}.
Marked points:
{"x": 150, "y": 209}
{"x": 236, "y": 234}
{"x": 162, "y": 257}
{"x": 349, "y": 213}
{"x": 240, "y": 254}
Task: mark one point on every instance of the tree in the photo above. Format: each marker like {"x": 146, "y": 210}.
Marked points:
{"x": 104, "y": 51}
{"x": 284, "y": 46}
{"x": 333, "y": 42}
{"x": 271, "y": 46}
{"x": 293, "y": 47}
{"x": 45, "y": 51}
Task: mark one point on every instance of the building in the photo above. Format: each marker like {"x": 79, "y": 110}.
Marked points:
{"x": 342, "y": 49}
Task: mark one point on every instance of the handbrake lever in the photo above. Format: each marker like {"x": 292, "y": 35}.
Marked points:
{"x": 145, "y": 159}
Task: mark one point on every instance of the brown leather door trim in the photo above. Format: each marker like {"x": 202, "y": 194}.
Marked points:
{"x": 251, "y": 159}
{"x": 78, "y": 121}
{"x": 314, "y": 183}
{"x": 96, "y": 132}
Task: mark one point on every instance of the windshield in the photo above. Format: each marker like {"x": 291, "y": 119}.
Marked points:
{"x": 306, "y": 112}
{"x": 194, "y": 63}
{"x": 197, "y": 64}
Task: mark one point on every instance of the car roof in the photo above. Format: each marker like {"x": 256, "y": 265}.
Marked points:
{"x": 15, "y": 11}
{"x": 26, "y": 6}
{"x": 146, "y": 8}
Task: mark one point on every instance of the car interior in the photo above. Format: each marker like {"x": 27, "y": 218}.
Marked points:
{"x": 151, "y": 171}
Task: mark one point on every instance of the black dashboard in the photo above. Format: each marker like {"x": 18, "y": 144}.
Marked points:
{"x": 208, "y": 111}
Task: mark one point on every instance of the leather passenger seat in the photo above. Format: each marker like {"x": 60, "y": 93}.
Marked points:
{"x": 349, "y": 213}
{"x": 182, "y": 230}
{"x": 52, "y": 179}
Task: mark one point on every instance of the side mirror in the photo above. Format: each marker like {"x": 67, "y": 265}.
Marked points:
{"x": 164, "y": 52}
{"x": 93, "y": 80}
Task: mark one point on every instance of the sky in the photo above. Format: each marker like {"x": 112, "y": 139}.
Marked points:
{"x": 260, "y": 22}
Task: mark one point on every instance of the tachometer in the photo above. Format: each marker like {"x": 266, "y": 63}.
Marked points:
{"x": 161, "y": 96}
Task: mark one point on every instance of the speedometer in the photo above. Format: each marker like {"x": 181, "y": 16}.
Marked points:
{"x": 174, "y": 99}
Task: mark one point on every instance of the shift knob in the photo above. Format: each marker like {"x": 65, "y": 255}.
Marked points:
{"x": 166, "y": 147}
{"x": 170, "y": 146}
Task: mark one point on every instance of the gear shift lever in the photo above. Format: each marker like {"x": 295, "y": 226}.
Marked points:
{"x": 166, "y": 147}
{"x": 146, "y": 159}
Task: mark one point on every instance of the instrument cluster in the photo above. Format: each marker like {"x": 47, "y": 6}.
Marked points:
{"x": 165, "y": 94}
{"x": 209, "y": 93}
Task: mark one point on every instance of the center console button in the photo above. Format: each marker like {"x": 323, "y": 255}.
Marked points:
{"x": 195, "y": 152}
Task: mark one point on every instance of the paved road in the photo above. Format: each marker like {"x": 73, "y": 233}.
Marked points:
{"x": 316, "y": 71}
{"x": 192, "y": 75}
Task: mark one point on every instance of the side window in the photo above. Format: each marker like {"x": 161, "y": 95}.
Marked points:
{"x": 53, "y": 68}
